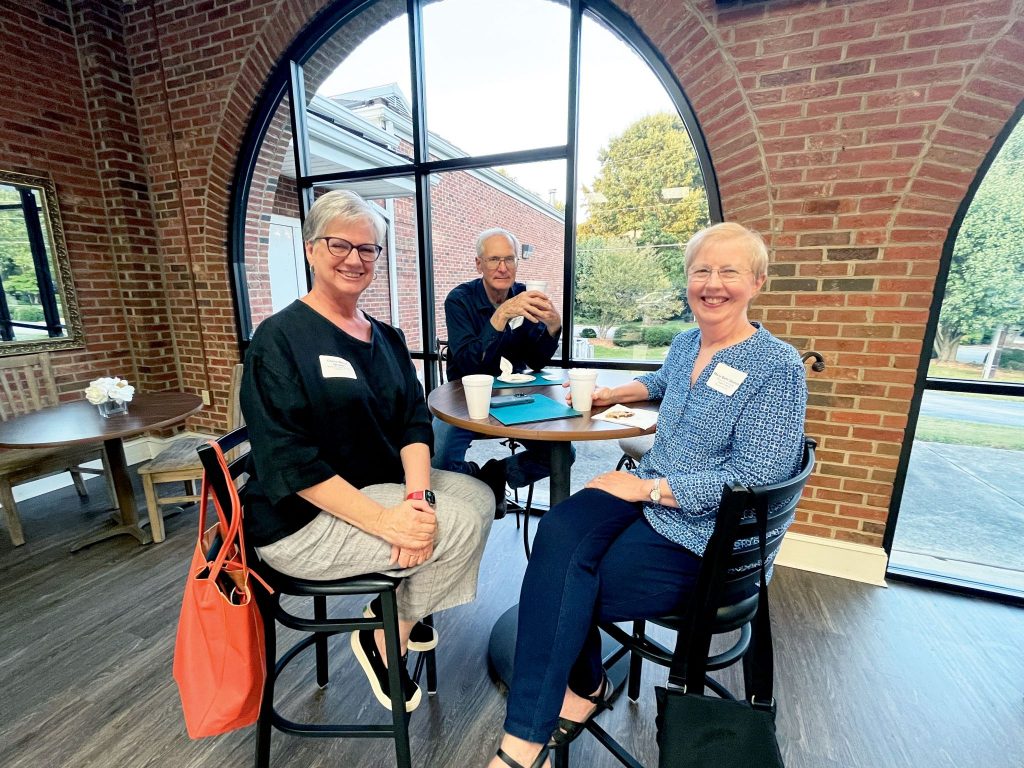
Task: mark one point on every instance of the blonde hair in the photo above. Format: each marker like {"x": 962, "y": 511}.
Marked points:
{"x": 754, "y": 247}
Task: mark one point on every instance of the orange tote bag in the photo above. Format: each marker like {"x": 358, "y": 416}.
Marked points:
{"x": 219, "y": 655}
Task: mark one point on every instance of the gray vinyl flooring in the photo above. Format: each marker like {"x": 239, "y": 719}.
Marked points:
{"x": 866, "y": 676}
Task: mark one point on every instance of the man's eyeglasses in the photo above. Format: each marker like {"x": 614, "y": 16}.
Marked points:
{"x": 341, "y": 248}
{"x": 725, "y": 274}
{"x": 492, "y": 262}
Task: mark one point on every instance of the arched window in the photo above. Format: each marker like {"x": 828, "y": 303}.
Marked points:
{"x": 956, "y": 493}
{"x": 555, "y": 120}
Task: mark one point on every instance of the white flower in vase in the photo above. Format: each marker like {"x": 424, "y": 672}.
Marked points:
{"x": 110, "y": 388}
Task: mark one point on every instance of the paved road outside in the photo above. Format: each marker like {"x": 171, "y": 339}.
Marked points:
{"x": 963, "y": 506}
{"x": 984, "y": 410}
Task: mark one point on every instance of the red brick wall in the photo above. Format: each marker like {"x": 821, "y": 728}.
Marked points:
{"x": 67, "y": 110}
{"x": 848, "y": 132}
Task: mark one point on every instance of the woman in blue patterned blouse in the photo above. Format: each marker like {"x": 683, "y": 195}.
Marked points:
{"x": 628, "y": 546}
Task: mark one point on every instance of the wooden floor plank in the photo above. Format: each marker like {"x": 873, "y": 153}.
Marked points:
{"x": 904, "y": 677}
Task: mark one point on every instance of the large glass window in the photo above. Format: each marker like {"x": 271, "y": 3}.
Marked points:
{"x": 550, "y": 119}
{"x": 961, "y": 510}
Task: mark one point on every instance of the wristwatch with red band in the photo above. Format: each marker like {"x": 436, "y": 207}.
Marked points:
{"x": 427, "y": 495}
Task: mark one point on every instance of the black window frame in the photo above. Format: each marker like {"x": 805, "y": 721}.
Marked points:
{"x": 286, "y": 80}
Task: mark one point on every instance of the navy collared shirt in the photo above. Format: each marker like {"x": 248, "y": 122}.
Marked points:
{"x": 474, "y": 346}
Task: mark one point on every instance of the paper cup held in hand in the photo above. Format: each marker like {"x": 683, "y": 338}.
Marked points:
{"x": 477, "y": 387}
{"x": 581, "y": 386}
{"x": 536, "y": 285}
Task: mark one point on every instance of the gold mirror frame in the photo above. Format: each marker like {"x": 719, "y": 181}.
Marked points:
{"x": 74, "y": 333}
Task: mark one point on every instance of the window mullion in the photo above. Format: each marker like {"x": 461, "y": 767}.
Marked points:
{"x": 421, "y": 153}
{"x": 572, "y": 137}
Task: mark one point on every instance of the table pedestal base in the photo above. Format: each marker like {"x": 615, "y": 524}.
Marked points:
{"x": 501, "y": 652}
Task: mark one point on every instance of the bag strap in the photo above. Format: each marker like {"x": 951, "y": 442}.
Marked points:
{"x": 232, "y": 548}
{"x": 689, "y": 660}
{"x": 221, "y": 549}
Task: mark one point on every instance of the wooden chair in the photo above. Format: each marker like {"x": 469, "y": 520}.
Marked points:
{"x": 316, "y": 629}
{"x": 726, "y": 590}
{"x": 28, "y": 386}
{"x": 179, "y": 463}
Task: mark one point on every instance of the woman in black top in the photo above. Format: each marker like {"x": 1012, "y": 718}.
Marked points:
{"x": 340, "y": 479}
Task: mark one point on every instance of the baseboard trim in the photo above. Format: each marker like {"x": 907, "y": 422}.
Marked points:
{"x": 136, "y": 450}
{"x": 843, "y": 559}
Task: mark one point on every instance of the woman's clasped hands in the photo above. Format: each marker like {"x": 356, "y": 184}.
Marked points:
{"x": 410, "y": 528}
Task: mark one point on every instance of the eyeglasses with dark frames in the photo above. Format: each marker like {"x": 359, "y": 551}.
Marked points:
{"x": 341, "y": 248}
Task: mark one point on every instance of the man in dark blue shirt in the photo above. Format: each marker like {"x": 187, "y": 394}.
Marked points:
{"x": 490, "y": 318}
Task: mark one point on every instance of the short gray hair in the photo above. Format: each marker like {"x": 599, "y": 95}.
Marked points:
{"x": 347, "y": 206}
{"x": 754, "y": 247}
{"x": 487, "y": 234}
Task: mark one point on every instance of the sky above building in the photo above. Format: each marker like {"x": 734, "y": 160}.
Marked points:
{"x": 497, "y": 77}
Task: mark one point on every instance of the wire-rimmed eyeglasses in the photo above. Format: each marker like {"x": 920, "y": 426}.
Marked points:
{"x": 341, "y": 248}
{"x": 725, "y": 274}
{"x": 492, "y": 262}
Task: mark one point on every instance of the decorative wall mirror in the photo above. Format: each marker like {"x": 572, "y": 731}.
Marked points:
{"x": 38, "y": 307}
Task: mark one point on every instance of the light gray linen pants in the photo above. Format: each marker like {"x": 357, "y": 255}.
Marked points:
{"x": 330, "y": 548}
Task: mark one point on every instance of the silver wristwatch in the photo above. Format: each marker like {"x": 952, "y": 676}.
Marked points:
{"x": 656, "y": 491}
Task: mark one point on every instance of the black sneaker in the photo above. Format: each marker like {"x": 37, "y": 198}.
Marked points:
{"x": 493, "y": 473}
{"x": 376, "y": 672}
{"x": 422, "y": 638}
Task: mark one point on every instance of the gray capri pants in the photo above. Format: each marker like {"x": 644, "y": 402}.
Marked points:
{"x": 330, "y": 548}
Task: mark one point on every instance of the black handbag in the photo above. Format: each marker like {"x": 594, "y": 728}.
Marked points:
{"x": 698, "y": 731}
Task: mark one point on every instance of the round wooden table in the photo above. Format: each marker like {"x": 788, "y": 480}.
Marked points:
{"x": 80, "y": 422}
{"x": 448, "y": 403}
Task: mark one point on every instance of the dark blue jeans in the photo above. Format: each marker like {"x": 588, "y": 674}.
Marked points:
{"x": 595, "y": 559}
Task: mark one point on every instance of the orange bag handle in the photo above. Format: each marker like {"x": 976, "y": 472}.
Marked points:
{"x": 232, "y": 550}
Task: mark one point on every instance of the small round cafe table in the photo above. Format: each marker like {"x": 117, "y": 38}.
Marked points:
{"x": 448, "y": 403}
{"x": 79, "y": 422}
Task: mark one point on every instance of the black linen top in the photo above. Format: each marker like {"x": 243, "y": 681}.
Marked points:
{"x": 474, "y": 345}
{"x": 320, "y": 403}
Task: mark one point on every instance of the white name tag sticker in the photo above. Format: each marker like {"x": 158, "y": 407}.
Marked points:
{"x": 726, "y": 379}
{"x": 336, "y": 368}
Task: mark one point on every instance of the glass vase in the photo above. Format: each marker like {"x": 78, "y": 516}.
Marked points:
{"x": 112, "y": 408}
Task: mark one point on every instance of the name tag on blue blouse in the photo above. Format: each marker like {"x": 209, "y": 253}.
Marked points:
{"x": 726, "y": 379}
{"x": 336, "y": 368}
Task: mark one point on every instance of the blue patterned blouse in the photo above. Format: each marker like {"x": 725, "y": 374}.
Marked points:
{"x": 706, "y": 438}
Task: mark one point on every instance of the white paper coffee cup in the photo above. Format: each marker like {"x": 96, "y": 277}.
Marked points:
{"x": 536, "y": 285}
{"x": 477, "y": 387}
{"x": 582, "y": 382}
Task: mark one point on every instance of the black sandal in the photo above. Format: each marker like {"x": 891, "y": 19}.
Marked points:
{"x": 567, "y": 730}
{"x": 537, "y": 763}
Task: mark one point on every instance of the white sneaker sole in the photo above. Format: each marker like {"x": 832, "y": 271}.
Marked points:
{"x": 412, "y": 644}
{"x": 371, "y": 676}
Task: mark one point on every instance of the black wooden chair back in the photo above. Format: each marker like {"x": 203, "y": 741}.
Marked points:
{"x": 726, "y": 588}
